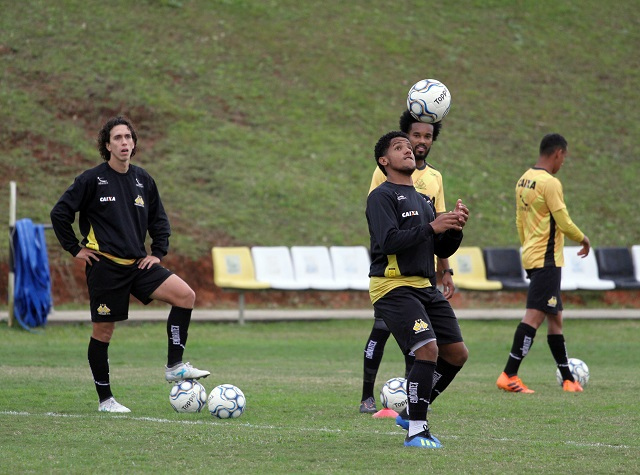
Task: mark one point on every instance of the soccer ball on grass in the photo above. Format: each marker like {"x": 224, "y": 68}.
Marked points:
{"x": 394, "y": 394}
{"x": 226, "y": 401}
{"x": 188, "y": 396}
{"x": 429, "y": 101}
{"x": 579, "y": 370}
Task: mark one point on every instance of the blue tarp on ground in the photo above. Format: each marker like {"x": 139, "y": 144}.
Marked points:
{"x": 32, "y": 295}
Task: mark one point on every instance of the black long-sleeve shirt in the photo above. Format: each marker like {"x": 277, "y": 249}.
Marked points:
{"x": 116, "y": 212}
{"x": 403, "y": 243}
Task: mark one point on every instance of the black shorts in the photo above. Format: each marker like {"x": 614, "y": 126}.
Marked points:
{"x": 418, "y": 315}
{"x": 111, "y": 284}
{"x": 378, "y": 323}
{"x": 544, "y": 289}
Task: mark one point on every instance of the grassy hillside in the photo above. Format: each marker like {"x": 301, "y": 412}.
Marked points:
{"x": 258, "y": 118}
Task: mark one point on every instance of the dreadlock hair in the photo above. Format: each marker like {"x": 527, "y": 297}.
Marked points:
{"x": 406, "y": 120}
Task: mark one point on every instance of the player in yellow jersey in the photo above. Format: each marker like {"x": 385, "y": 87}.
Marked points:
{"x": 428, "y": 182}
{"x": 543, "y": 222}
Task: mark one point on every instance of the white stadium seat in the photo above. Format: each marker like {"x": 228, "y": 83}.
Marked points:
{"x": 583, "y": 271}
{"x": 273, "y": 265}
{"x": 635, "y": 255}
{"x": 312, "y": 264}
{"x": 351, "y": 265}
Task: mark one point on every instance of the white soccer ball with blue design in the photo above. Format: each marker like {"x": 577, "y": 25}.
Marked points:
{"x": 394, "y": 394}
{"x": 579, "y": 370}
{"x": 226, "y": 401}
{"x": 188, "y": 396}
{"x": 429, "y": 101}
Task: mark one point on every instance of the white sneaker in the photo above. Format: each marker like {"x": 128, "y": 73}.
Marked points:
{"x": 182, "y": 371}
{"x": 111, "y": 405}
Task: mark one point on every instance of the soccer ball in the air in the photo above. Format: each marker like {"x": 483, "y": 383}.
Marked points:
{"x": 394, "y": 394}
{"x": 226, "y": 401}
{"x": 429, "y": 101}
{"x": 579, "y": 370}
{"x": 188, "y": 396}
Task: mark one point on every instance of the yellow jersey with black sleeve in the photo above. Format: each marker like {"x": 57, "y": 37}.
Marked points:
{"x": 542, "y": 219}
{"x": 427, "y": 181}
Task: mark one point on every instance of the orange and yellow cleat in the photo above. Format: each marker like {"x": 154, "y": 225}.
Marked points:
{"x": 571, "y": 386}
{"x": 512, "y": 384}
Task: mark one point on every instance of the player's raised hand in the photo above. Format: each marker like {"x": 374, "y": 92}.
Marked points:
{"x": 462, "y": 211}
{"x": 446, "y": 221}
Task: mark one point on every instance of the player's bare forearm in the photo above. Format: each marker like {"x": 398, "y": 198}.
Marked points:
{"x": 448, "y": 287}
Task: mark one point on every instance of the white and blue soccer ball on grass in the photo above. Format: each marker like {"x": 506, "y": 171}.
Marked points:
{"x": 188, "y": 396}
{"x": 579, "y": 370}
{"x": 226, "y": 402}
{"x": 429, "y": 101}
{"x": 394, "y": 394}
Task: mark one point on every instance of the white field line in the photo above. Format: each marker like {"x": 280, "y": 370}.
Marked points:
{"x": 272, "y": 427}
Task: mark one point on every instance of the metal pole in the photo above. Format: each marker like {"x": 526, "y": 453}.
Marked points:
{"x": 12, "y": 275}
{"x": 241, "y": 308}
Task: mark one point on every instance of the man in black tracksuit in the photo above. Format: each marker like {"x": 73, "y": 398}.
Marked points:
{"x": 405, "y": 234}
{"x": 118, "y": 204}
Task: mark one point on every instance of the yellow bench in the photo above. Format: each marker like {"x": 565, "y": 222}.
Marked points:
{"x": 233, "y": 270}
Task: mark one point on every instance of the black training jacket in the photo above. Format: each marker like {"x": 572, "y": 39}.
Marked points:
{"x": 116, "y": 212}
{"x": 402, "y": 240}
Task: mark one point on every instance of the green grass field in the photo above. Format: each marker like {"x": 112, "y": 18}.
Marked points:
{"x": 302, "y": 382}
{"x": 258, "y": 119}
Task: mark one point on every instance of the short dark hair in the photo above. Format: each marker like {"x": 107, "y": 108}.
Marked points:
{"x": 105, "y": 135}
{"x": 382, "y": 146}
{"x": 551, "y": 142}
{"x": 406, "y": 120}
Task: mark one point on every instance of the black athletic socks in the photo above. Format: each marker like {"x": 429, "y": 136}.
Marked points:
{"x": 442, "y": 377}
{"x": 522, "y": 342}
{"x": 408, "y": 364}
{"x": 559, "y": 352}
{"x": 98, "y": 355}
{"x": 177, "y": 331}
{"x": 419, "y": 386}
{"x": 373, "y": 352}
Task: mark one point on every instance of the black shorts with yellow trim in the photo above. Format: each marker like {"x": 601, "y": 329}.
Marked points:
{"x": 418, "y": 314}
{"x": 110, "y": 285}
{"x": 544, "y": 289}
